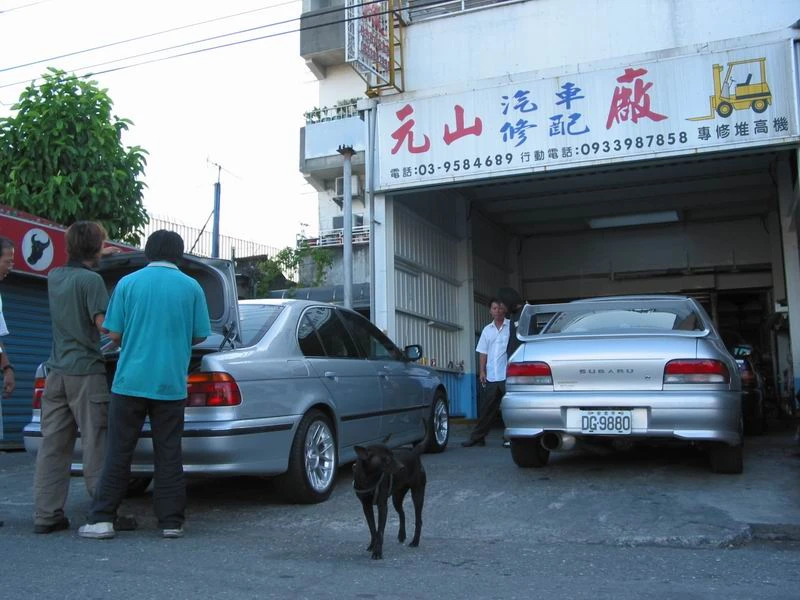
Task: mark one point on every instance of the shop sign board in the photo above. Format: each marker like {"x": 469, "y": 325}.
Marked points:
{"x": 40, "y": 245}
{"x": 673, "y": 106}
{"x": 368, "y": 31}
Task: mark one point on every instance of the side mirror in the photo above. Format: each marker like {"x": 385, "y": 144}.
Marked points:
{"x": 742, "y": 350}
{"x": 413, "y": 352}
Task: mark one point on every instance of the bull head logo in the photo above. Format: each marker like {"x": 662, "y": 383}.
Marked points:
{"x": 37, "y": 250}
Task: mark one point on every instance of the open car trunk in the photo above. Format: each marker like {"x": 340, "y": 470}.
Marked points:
{"x": 215, "y": 276}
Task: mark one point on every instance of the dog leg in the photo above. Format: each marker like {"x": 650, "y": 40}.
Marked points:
{"x": 418, "y": 497}
{"x": 397, "y": 501}
{"x": 383, "y": 509}
{"x": 370, "y": 516}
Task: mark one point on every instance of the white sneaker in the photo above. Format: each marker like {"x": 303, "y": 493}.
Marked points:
{"x": 97, "y": 531}
{"x": 172, "y": 533}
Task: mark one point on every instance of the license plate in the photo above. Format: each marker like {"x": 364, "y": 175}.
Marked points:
{"x": 606, "y": 421}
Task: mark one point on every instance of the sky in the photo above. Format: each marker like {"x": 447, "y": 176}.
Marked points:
{"x": 240, "y": 107}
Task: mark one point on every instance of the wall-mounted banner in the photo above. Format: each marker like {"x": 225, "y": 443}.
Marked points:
{"x": 680, "y": 105}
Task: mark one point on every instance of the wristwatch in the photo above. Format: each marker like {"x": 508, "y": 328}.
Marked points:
{"x": 9, "y": 366}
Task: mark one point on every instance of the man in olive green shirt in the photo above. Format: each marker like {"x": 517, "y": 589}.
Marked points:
{"x": 76, "y": 392}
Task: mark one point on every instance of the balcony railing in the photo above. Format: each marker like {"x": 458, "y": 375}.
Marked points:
{"x": 331, "y": 113}
{"x": 335, "y": 237}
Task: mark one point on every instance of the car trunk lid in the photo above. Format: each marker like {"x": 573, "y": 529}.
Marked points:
{"x": 625, "y": 363}
{"x": 215, "y": 276}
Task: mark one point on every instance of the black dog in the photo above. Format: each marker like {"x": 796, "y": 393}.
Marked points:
{"x": 381, "y": 472}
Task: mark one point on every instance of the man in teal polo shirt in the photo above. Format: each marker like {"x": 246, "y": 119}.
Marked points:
{"x": 155, "y": 314}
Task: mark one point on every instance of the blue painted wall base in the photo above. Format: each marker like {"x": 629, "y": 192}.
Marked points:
{"x": 461, "y": 393}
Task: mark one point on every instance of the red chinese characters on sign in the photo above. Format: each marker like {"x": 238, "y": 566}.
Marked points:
{"x": 451, "y": 136}
{"x": 405, "y": 133}
{"x": 632, "y": 103}
{"x": 374, "y": 37}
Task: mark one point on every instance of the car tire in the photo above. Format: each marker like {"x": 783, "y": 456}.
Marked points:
{"x": 438, "y": 425}
{"x": 529, "y": 452}
{"x": 726, "y": 459}
{"x": 313, "y": 461}
{"x": 137, "y": 486}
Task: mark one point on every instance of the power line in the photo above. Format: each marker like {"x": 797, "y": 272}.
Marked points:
{"x": 21, "y": 6}
{"x": 141, "y": 37}
{"x": 230, "y": 44}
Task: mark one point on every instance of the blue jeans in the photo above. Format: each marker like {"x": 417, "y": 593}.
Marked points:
{"x": 126, "y": 416}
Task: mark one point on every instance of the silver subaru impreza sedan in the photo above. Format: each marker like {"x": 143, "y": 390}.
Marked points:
{"x": 282, "y": 388}
{"x": 620, "y": 370}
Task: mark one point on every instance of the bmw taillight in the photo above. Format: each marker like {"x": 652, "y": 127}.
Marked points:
{"x": 213, "y": 389}
{"x": 696, "y": 371}
{"x": 38, "y": 392}
{"x": 529, "y": 373}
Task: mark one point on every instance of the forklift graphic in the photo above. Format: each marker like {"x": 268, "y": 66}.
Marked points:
{"x": 730, "y": 94}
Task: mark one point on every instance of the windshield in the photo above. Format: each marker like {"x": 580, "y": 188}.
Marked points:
{"x": 254, "y": 319}
{"x": 626, "y": 321}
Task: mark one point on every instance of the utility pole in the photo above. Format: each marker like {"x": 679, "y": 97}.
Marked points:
{"x": 215, "y": 229}
{"x": 347, "y": 250}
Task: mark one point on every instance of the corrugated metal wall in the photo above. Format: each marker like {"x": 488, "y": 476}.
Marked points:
{"x": 27, "y": 314}
{"x": 489, "y": 266}
{"x": 426, "y": 288}
{"x": 426, "y": 296}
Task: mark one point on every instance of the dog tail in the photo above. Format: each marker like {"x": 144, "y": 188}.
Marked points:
{"x": 422, "y": 445}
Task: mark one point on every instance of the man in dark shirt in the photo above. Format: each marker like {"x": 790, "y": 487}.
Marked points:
{"x": 76, "y": 393}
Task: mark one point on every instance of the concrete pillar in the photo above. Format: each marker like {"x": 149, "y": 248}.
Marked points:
{"x": 384, "y": 264}
{"x": 788, "y": 204}
{"x": 465, "y": 404}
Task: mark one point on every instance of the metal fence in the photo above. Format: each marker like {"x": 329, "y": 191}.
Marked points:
{"x": 199, "y": 241}
{"x": 426, "y": 9}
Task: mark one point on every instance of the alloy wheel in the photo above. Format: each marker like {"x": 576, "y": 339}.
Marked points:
{"x": 319, "y": 456}
{"x": 441, "y": 421}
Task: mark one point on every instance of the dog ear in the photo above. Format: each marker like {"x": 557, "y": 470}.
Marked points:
{"x": 361, "y": 452}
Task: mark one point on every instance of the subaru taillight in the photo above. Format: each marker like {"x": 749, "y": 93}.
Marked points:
{"x": 696, "y": 371}
{"x": 38, "y": 392}
{"x": 212, "y": 389}
{"x": 529, "y": 373}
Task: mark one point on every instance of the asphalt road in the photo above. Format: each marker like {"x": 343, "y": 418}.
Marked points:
{"x": 652, "y": 523}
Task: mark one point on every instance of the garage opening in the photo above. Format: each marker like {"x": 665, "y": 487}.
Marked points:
{"x": 706, "y": 227}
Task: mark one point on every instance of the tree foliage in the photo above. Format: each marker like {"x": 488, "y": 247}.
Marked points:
{"x": 62, "y": 157}
{"x": 289, "y": 260}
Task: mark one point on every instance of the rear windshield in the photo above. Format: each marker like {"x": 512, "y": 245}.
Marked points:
{"x": 626, "y": 321}
{"x": 256, "y": 319}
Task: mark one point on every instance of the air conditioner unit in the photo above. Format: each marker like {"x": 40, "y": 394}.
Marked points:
{"x": 354, "y": 187}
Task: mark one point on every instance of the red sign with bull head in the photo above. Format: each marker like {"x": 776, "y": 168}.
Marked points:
{"x": 40, "y": 244}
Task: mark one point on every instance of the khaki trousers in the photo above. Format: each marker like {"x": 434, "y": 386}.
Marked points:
{"x": 71, "y": 403}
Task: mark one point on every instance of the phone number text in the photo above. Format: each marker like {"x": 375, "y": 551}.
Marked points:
{"x": 564, "y": 152}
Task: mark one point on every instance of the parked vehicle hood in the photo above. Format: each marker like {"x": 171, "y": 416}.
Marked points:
{"x": 215, "y": 276}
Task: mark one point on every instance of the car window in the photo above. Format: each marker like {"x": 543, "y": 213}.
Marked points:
{"x": 330, "y": 332}
{"x": 310, "y": 344}
{"x": 372, "y": 342}
{"x": 255, "y": 320}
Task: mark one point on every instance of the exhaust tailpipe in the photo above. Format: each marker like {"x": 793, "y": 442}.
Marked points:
{"x": 552, "y": 440}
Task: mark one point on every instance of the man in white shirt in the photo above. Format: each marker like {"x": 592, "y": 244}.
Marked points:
{"x": 493, "y": 359}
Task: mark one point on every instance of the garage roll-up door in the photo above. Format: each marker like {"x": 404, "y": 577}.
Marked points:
{"x": 27, "y": 314}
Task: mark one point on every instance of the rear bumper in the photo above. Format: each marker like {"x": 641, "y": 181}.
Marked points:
{"x": 242, "y": 447}
{"x": 690, "y": 416}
